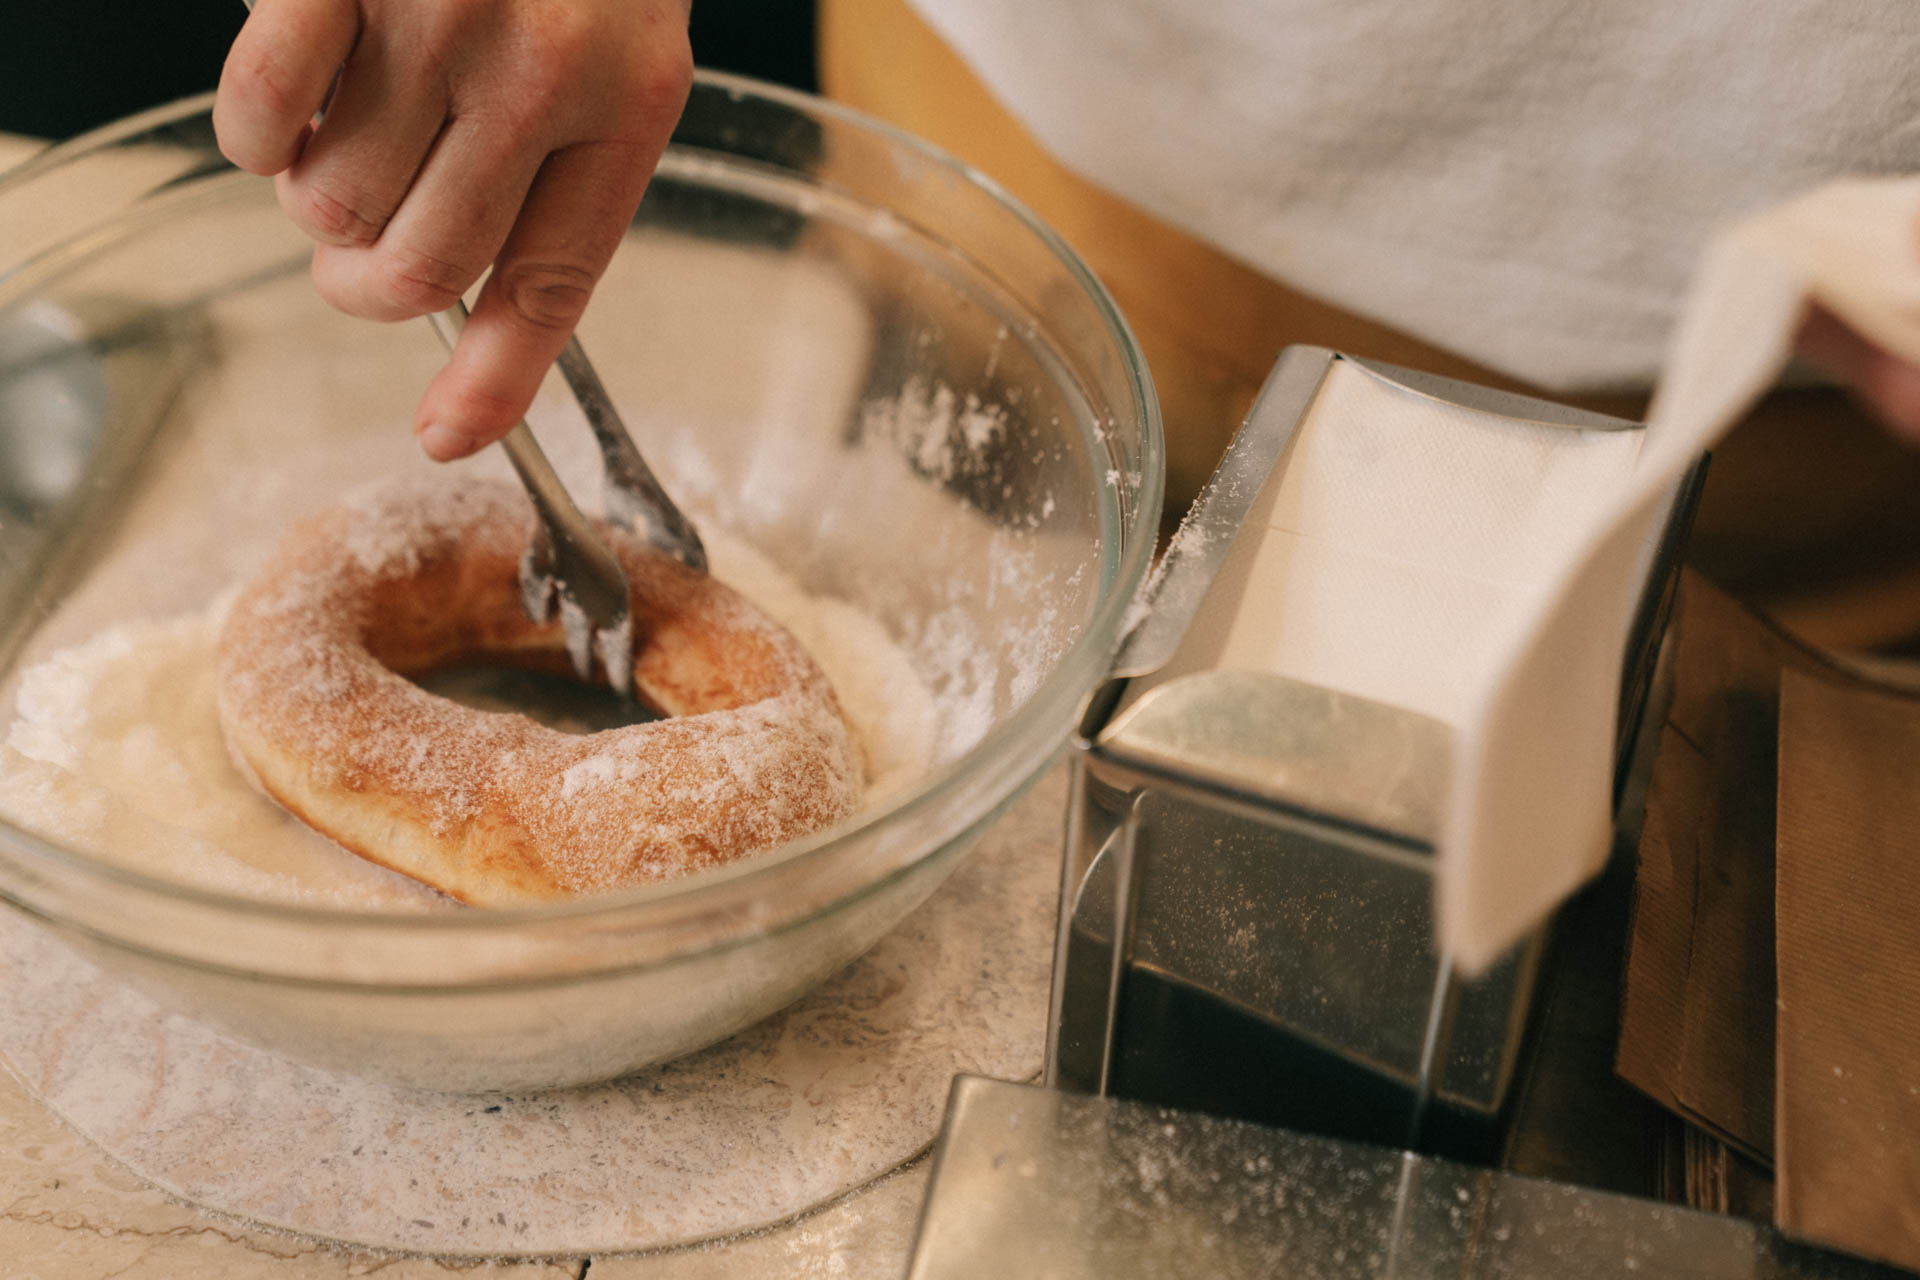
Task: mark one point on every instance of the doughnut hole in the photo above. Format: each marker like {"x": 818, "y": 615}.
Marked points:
{"x": 559, "y": 702}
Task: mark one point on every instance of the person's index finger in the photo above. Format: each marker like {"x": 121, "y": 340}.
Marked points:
{"x": 474, "y": 400}
{"x": 276, "y": 78}
{"x": 495, "y": 372}
{"x": 573, "y": 219}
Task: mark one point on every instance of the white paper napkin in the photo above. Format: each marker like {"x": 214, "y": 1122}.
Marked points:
{"x": 1529, "y": 810}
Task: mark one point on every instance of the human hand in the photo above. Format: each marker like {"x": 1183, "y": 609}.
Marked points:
{"x": 460, "y": 134}
{"x": 1888, "y": 384}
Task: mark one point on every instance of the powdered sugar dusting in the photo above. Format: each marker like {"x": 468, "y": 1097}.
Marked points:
{"x": 614, "y": 647}
{"x": 577, "y": 627}
{"x": 755, "y": 753}
{"x": 594, "y": 771}
{"x": 981, "y": 600}
{"x": 386, "y": 538}
{"x": 943, "y": 432}
{"x": 895, "y": 716}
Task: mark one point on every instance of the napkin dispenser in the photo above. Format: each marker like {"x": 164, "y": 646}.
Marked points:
{"x": 1246, "y": 912}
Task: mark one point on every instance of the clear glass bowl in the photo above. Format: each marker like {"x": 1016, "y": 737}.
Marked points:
{"x": 841, "y": 347}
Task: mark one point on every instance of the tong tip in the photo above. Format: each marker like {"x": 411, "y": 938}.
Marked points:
{"x": 598, "y": 628}
{"x": 587, "y": 639}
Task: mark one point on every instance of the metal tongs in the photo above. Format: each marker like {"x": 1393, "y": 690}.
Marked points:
{"x": 567, "y": 564}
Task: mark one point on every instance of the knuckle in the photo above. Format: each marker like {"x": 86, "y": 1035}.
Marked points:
{"x": 641, "y": 74}
{"x": 672, "y": 77}
{"x": 437, "y": 32}
{"x": 528, "y": 123}
{"x": 546, "y": 55}
{"x": 658, "y": 83}
{"x": 549, "y": 75}
{"x": 565, "y": 40}
{"x": 547, "y": 295}
{"x": 341, "y": 218}
{"x": 410, "y": 282}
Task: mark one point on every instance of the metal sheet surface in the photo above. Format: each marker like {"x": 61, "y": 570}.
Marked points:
{"x": 1031, "y": 1182}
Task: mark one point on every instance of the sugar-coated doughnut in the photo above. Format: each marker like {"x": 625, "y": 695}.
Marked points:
{"x": 493, "y": 808}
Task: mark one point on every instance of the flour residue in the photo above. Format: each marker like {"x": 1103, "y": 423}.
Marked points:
{"x": 943, "y": 432}
{"x": 896, "y": 718}
{"x": 116, "y": 748}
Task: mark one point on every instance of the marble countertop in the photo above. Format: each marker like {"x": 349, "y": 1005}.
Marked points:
{"x": 68, "y": 1212}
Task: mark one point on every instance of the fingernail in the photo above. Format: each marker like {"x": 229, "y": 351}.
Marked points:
{"x": 442, "y": 443}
